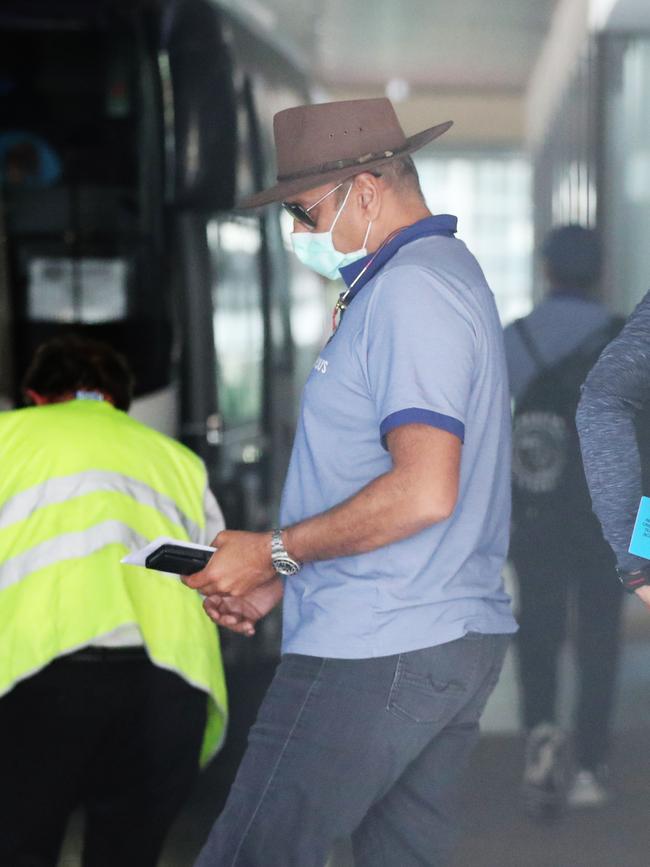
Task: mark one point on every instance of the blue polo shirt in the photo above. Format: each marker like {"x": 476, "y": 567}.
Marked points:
{"x": 420, "y": 342}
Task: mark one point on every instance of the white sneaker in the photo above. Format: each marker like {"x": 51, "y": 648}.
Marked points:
{"x": 545, "y": 773}
{"x": 587, "y": 791}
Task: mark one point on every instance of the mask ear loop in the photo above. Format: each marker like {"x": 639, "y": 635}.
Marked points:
{"x": 347, "y": 195}
{"x": 338, "y": 213}
{"x": 365, "y": 240}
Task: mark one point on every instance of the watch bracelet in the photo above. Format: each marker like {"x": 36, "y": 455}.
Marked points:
{"x": 278, "y": 549}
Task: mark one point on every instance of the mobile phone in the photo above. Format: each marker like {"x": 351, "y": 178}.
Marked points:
{"x": 178, "y": 559}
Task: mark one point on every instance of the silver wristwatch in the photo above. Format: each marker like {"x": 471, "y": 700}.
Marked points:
{"x": 283, "y": 563}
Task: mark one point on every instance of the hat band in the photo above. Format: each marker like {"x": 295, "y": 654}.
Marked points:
{"x": 340, "y": 164}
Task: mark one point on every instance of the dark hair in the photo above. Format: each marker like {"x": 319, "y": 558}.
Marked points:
{"x": 66, "y": 364}
{"x": 572, "y": 256}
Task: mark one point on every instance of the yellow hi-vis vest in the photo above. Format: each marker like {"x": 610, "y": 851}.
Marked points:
{"x": 82, "y": 484}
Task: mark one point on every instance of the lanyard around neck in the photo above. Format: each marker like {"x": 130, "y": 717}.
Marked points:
{"x": 342, "y": 303}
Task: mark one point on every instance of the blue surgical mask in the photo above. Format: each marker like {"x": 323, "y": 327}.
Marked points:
{"x": 316, "y": 250}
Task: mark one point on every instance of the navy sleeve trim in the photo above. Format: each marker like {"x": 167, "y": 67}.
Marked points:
{"x": 413, "y": 415}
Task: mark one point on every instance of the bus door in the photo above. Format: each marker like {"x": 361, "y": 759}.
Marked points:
{"x": 218, "y": 256}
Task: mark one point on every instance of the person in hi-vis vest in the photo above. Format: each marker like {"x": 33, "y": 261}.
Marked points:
{"x": 112, "y": 690}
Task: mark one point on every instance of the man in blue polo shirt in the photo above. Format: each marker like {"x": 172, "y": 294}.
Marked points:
{"x": 395, "y": 521}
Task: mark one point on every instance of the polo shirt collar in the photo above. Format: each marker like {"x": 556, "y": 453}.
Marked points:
{"x": 440, "y": 224}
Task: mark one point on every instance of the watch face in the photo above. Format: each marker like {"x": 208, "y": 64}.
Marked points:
{"x": 285, "y": 567}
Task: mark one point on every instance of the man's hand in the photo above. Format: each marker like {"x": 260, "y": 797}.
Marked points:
{"x": 240, "y": 614}
{"x": 644, "y": 594}
{"x": 241, "y": 563}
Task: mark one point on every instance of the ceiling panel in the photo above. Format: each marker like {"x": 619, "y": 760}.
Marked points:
{"x": 467, "y": 45}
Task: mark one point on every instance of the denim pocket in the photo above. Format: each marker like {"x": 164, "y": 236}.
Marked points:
{"x": 418, "y": 696}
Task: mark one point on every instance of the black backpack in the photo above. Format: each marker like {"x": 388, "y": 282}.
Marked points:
{"x": 548, "y": 482}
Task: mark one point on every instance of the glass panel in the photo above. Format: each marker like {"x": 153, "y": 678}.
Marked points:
{"x": 77, "y": 290}
{"x": 80, "y": 160}
{"x": 72, "y": 93}
{"x": 565, "y": 161}
{"x": 626, "y": 198}
{"x": 235, "y": 245}
{"x": 490, "y": 195}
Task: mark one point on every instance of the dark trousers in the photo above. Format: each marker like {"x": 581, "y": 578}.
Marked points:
{"x": 113, "y": 734}
{"x": 372, "y": 748}
{"x": 568, "y": 584}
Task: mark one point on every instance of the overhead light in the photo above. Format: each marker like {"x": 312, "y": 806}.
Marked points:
{"x": 398, "y": 89}
{"x": 319, "y": 94}
{"x": 599, "y": 12}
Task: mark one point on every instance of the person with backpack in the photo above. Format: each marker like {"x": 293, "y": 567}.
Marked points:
{"x": 565, "y": 569}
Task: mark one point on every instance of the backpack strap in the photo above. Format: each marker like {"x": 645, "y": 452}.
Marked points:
{"x": 596, "y": 341}
{"x": 531, "y": 346}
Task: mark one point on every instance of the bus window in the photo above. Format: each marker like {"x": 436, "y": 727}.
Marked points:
{"x": 88, "y": 290}
{"x": 81, "y": 193}
{"x": 235, "y": 245}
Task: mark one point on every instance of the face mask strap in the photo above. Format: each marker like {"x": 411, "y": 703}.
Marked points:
{"x": 338, "y": 213}
{"x": 365, "y": 240}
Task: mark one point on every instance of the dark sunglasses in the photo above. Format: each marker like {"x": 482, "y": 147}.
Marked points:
{"x": 302, "y": 214}
{"x": 297, "y": 212}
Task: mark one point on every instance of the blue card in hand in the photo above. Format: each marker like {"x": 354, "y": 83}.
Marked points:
{"x": 640, "y": 541}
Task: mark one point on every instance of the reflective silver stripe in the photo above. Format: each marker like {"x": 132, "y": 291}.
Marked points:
{"x": 63, "y": 488}
{"x": 66, "y": 547}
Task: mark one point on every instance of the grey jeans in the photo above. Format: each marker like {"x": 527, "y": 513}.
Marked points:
{"x": 367, "y": 748}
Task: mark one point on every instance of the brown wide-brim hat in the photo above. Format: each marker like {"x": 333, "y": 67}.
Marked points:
{"x": 333, "y": 141}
